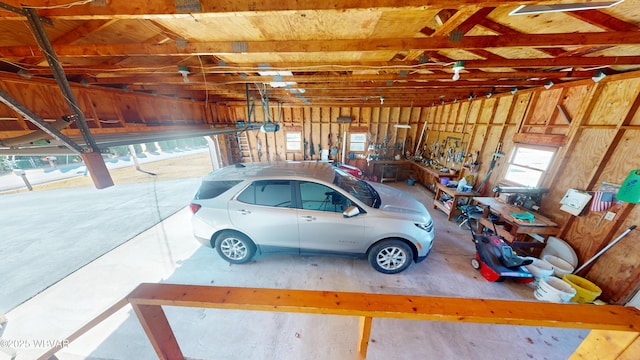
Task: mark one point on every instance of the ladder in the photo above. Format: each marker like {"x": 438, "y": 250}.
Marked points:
{"x": 245, "y": 149}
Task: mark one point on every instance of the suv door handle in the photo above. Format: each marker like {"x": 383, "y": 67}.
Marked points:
{"x": 309, "y": 218}
{"x": 244, "y": 212}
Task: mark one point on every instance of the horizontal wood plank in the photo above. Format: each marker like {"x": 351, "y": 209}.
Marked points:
{"x": 488, "y": 311}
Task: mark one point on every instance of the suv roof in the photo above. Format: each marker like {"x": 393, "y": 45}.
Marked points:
{"x": 318, "y": 170}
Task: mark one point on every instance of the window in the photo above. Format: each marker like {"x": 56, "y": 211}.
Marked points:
{"x": 294, "y": 141}
{"x": 275, "y": 193}
{"x": 357, "y": 141}
{"x": 211, "y": 189}
{"x": 320, "y": 197}
{"x": 529, "y": 163}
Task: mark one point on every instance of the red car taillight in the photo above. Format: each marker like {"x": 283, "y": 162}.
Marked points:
{"x": 194, "y": 207}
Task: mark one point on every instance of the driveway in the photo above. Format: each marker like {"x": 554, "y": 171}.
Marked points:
{"x": 47, "y": 235}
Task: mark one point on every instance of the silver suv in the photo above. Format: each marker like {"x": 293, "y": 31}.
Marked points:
{"x": 309, "y": 208}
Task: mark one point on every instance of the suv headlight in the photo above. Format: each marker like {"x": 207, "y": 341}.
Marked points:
{"x": 426, "y": 226}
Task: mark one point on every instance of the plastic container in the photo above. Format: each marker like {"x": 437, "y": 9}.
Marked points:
{"x": 411, "y": 181}
{"x": 444, "y": 180}
{"x": 560, "y": 248}
{"x": 560, "y": 267}
{"x": 630, "y": 189}
{"x": 540, "y": 269}
{"x": 586, "y": 291}
{"x": 552, "y": 289}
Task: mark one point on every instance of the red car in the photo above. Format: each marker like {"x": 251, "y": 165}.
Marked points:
{"x": 351, "y": 170}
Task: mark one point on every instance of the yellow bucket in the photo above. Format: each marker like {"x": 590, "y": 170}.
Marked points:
{"x": 586, "y": 291}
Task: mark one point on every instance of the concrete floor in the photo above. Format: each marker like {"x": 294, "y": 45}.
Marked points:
{"x": 168, "y": 253}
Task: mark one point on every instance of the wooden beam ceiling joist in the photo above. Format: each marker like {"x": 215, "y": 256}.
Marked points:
{"x": 126, "y": 9}
{"x": 322, "y": 46}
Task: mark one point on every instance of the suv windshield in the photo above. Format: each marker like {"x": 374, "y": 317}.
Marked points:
{"x": 358, "y": 188}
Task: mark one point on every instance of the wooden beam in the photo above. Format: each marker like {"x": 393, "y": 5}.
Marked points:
{"x": 455, "y": 20}
{"x": 612, "y": 343}
{"x": 156, "y": 326}
{"x": 354, "y": 65}
{"x": 602, "y": 20}
{"x": 125, "y": 9}
{"x": 540, "y": 139}
{"x": 301, "y": 79}
{"x": 486, "y": 311}
{"x": 434, "y": 43}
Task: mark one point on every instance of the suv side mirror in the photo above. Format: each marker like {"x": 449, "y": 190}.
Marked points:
{"x": 351, "y": 211}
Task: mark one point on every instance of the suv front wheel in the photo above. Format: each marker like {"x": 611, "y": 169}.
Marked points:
{"x": 234, "y": 247}
{"x": 390, "y": 256}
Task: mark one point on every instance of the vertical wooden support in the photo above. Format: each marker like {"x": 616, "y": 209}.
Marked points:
{"x": 157, "y": 328}
{"x": 607, "y": 344}
{"x": 364, "y": 332}
{"x": 97, "y": 169}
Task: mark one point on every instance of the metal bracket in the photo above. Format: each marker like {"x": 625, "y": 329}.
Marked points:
{"x": 24, "y": 13}
{"x": 14, "y": 104}
{"x": 61, "y": 78}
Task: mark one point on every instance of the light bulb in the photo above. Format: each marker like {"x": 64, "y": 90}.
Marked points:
{"x": 459, "y": 65}
{"x": 599, "y": 75}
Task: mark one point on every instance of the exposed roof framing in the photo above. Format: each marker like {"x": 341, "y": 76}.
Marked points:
{"x": 346, "y": 53}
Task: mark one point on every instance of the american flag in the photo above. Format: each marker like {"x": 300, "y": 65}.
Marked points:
{"x": 601, "y": 201}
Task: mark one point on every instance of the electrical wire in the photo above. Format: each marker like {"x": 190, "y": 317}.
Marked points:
{"x": 62, "y": 6}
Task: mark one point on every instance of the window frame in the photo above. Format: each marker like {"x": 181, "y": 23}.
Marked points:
{"x": 512, "y": 162}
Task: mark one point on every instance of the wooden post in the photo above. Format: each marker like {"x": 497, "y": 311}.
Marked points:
{"x": 364, "y": 332}
{"x": 157, "y": 328}
{"x": 98, "y": 169}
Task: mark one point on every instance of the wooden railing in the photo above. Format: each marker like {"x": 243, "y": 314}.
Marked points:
{"x": 617, "y": 327}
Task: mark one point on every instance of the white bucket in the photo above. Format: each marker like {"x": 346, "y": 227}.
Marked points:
{"x": 552, "y": 289}
{"x": 560, "y": 267}
{"x": 540, "y": 268}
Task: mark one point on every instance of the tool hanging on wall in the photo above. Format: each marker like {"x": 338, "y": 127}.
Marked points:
{"x": 615, "y": 241}
{"x": 306, "y": 145}
{"x": 494, "y": 158}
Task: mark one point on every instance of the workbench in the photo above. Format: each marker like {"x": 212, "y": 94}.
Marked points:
{"x": 528, "y": 237}
{"x": 430, "y": 177}
{"x": 389, "y": 170}
{"x": 453, "y": 194}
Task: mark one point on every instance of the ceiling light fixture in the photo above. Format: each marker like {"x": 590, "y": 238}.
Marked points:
{"x": 381, "y": 100}
{"x": 549, "y": 84}
{"x": 24, "y": 73}
{"x": 598, "y": 75}
{"x": 539, "y": 9}
{"x": 459, "y": 65}
{"x": 184, "y": 71}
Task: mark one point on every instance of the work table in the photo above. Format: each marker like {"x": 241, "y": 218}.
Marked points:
{"x": 515, "y": 231}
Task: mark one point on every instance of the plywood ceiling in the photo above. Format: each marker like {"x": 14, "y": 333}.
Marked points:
{"x": 339, "y": 53}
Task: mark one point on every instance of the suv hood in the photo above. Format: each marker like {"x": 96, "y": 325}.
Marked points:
{"x": 397, "y": 201}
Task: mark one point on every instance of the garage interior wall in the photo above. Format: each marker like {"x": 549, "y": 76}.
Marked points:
{"x": 595, "y": 124}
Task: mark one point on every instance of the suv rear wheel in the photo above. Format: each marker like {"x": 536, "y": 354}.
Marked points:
{"x": 235, "y": 247}
{"x": 390, "y": 256}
